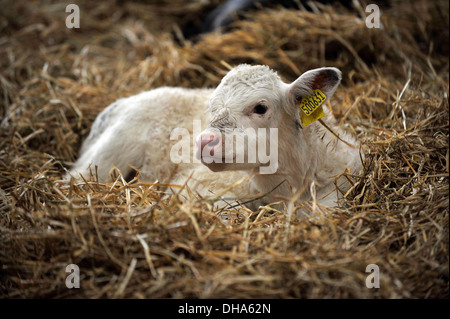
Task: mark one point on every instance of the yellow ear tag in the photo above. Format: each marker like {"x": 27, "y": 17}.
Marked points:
{"x": 310, "y": 106}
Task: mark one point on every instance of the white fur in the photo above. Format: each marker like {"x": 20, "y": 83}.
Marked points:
{"x": 135, "y": 132}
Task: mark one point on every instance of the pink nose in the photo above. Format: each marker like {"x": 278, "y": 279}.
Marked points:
{"x": 208, "y": 144}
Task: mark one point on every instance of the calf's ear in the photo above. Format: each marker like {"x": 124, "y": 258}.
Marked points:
{"x": 324, "y": 79}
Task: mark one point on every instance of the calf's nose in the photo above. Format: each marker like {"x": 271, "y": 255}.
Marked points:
{"x": 208, "y": 144}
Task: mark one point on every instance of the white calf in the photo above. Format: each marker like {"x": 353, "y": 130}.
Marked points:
{"x": 136, "y": 131}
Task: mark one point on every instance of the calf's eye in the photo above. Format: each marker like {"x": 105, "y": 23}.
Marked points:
{"x": 260, "y": 109}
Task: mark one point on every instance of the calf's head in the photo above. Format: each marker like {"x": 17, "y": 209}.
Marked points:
{"x": 248, "y": 108}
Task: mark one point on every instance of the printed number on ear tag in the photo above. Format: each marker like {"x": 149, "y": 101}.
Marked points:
{"x": 310, "y": 106}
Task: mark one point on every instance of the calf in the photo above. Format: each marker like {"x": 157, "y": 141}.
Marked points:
{"x": 139, "y": 132}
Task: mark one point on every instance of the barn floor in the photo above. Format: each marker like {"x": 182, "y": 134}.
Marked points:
{"x": 130, "y": 240}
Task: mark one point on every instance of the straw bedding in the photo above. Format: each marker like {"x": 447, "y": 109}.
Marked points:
{"x": 132, "y": 240}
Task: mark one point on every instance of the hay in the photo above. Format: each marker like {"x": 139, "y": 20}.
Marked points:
{"x": 131, "y": 240}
